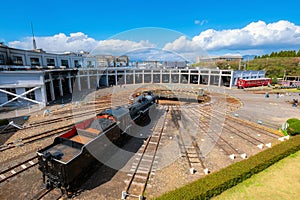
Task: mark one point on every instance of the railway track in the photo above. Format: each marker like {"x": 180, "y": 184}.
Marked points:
{"x": 10, "y": 130}
{"x": 237, "y": 128}
{"x": 103, "y": 98}
{"x": 46, "y": 134}
{"x": 188, "y": 145}
{"x": 221, "y": 112}
{"x": 232, "y": 129}
{"x": 272, "y": 128}
{"x": 41, "y": 194}
{"x": 233, "y": 122}
{"x": 19, "y": 142}
{"x": 87, "y": 106}
{"x": 34, "y": 138}
{"x": 215, "y": 137}
{"x": 18, "y": 168}
{"x": 70, "y": 115}
{"x": 230, "y": 107}
{"x": 39, "y": 136}
{"x": 143, "y": 166}
{"x": 44, "y": 193}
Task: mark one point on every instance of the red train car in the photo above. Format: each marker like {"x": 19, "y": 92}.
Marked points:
{"x": 244, "y": 83}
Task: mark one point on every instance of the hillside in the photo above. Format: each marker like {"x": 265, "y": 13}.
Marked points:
{"x": 274, "y": 66}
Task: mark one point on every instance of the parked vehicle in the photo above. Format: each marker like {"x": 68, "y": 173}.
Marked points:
{"x": 245, "y": 83}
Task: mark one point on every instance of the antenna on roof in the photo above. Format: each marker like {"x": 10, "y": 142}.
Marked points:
{"x": 33, "y": 39}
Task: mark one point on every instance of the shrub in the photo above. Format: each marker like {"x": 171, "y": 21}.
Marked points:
{"x": 294, "y": 126}
{"x": 292, "y": 120}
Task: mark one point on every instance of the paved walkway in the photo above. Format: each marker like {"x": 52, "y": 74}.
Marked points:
{"x": 270, "y": 111}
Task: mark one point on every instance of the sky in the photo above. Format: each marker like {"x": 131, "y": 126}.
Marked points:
{"x": 188, "y": 28}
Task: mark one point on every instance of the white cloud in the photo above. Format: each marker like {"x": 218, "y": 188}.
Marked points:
{"x": 58, "y": 43}
{"x": 183, "y": 44}
{"x": 255, "y": 37}
{"x": 197, "y": 21}
{"x": 186, "y": 48}
{"x": 80, "y": 41}
{"x": 120, "y": 47}
{"x": 154, "y": 54}
{"x": 201, "y": 23}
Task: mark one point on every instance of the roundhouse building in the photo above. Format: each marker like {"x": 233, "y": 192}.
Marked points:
{"x": 37, "y": 77}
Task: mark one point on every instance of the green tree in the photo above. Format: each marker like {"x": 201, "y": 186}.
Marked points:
{"x": 274, "y": 80}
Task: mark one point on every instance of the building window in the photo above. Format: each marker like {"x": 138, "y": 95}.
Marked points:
{"x": 50, "y": 62}
{"x": 65, "y": 63}
{"x": 2, "y": 61}
{"x": 31, "y": 94}
{"x": 17, "y": 60}
{"x": 89, "y": 64}
{"x": 35, "y": 61}
{"x": 9, "y": 96}
{"x": 76, "y": 63}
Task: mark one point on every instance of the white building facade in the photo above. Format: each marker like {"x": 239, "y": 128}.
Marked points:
{"x": 37, "y": 77}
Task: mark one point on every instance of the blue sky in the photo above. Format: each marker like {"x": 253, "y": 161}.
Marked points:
{"x": 100, "y": 20}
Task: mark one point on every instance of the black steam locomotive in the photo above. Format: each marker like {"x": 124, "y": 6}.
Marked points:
{"x": 71, "y": 154}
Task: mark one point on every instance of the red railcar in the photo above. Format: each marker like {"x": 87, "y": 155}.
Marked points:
{"x": 244, "y": 83}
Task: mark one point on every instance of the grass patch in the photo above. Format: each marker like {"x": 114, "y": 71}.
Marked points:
{"x": 280, "y": 181}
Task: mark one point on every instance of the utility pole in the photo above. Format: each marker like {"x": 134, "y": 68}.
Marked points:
{"x": 33, "y": 39}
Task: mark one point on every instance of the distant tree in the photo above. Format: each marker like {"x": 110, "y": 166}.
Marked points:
{"x": 265, "y": 56}
{"x": 274, "y": 80}
{"x": 285, "y": 53}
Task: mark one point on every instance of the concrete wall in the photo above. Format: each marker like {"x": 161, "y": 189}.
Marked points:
{"x": 20, "y": 80}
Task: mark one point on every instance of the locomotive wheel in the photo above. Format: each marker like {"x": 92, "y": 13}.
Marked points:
{"x": 66, "y": 191}
{"x": 49, "y": 185}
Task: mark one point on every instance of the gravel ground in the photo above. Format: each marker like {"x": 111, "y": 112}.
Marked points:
{"x": 171, "y": 169}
